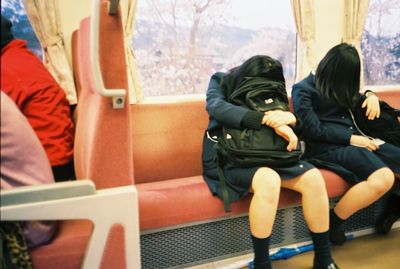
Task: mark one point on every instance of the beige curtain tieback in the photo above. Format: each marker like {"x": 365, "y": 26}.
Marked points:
{"x": 54, "y": 41}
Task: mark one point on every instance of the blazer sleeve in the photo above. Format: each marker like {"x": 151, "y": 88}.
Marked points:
{"x": 312, "y": 128}
{"x": 219, "y": 108}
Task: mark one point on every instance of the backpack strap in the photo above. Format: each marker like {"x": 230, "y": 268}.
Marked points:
{"x": 222, "y": 181}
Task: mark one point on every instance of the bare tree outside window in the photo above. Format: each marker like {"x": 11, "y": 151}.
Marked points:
{"x": 179, "y": 44}
{"x": 381, "y": 43}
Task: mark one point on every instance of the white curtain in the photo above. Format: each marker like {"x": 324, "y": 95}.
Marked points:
{"x": 355, "y": 14}
{"x": 44, "y": 16}
{"x": 135, "y": 89}
{"x": 304, "y": 15}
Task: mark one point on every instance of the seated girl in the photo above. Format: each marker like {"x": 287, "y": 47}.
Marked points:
{"x": 263, "y": 181}
{"x": 324, "y": 102}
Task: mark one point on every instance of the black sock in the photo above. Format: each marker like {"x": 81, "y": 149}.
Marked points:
{"x": 322, "y": 250}
{"x": 261, "y": 253}
{"x": 334, "y": 219}
{"x": 336, "y": 232}
{"x": 393, "y": 205}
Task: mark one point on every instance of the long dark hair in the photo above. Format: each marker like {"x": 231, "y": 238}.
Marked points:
{"x": 257, "y": 66}
{"x": 338, "y": 75}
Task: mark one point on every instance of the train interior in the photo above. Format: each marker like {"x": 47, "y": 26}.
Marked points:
{"x": 140, "y": 200}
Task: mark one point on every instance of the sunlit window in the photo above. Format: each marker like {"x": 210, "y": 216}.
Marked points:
{"x": 179, "y": 44}
{"x": 21, "y": 29}
{"x": 381, "y": 43}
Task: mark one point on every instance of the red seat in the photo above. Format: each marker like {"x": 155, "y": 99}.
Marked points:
{"x": 103, "y": 150}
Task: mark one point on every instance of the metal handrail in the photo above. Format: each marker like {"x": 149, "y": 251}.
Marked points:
{"x": 118, "y": 95}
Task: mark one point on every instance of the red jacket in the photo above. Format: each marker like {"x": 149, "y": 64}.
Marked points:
{"x": 31, "y": 86}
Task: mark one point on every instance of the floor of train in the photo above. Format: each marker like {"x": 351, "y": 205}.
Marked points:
{"x": 367, "y": 252}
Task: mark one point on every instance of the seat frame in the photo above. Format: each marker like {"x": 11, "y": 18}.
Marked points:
{"x": 80, "y": 200}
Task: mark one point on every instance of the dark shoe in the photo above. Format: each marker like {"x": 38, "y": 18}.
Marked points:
{"x": 385, "y": 223}
{"x": 253, "y": 265}
{"x": 332, "y": 265}
{"x": 336, "y": 235}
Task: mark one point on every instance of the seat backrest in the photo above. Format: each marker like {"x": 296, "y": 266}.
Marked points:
{"x": 103, "y": 148}
{"x": 392, "y": 97}
{"x": 167, "y": 140}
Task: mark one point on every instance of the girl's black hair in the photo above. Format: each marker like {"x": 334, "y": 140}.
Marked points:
{"x": 256, "y": 66}
{"x": 338, "y": 75}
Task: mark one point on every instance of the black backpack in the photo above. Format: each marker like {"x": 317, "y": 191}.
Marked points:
{"x": 386, "y": 127}
{"x": 250, "y": 147}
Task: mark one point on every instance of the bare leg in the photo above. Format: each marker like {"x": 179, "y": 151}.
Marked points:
{"x": 311, "y": 186}
{"x": 314, "y": 199}
{"x": 358, "y": 197}
{"x": 365, "y": 193}
{"x": 266, "y": 188}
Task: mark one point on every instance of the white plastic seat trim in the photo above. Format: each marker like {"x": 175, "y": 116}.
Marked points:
{"x": 104, "y": 208}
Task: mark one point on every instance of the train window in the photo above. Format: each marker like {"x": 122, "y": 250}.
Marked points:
{"x": 180, "y": 43}
{"x": 381, "y": 43}
{"x": 22, "y": 29}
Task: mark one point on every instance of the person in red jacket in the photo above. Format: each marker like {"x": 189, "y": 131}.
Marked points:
{"x": 25, "y": 79}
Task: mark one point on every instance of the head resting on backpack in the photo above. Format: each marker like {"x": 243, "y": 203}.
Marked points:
{"x": 257, "y": 66}
{"x": 338, "y": 75}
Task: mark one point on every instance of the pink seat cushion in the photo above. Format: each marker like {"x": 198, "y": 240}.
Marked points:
{"x": 67, "y": 249}
{"x": 185, "y": 200}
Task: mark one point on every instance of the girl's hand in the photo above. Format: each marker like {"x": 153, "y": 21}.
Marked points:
{"x": 276, "y": 118}
{"x": 363, "y": 142}
{"x": 287, "y": 133}
{"x": 372, "y": 105}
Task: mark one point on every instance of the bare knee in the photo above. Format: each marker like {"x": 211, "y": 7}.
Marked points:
{"x": 381, "y": 180}
{"x": 312, "y": 182}
{"x": 266, "y": 184}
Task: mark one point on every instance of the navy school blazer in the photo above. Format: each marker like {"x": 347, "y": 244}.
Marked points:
{"x": 325, "y": 125}
{"x": 220, "y": 112}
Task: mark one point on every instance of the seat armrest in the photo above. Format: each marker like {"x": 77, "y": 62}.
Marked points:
{"x": 80, "y": 200}
{"x": 46, "y": 192}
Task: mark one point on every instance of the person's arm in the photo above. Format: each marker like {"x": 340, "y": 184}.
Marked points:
{"x": 287, "y": 133}
{"x": 226, "y": 113}
{"x": 311, "y": 125}
{"x": 276, "y": 118}
{"x": 363, "y": 142}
